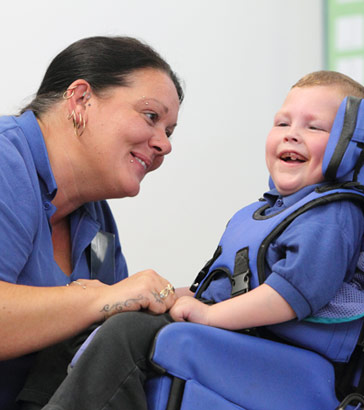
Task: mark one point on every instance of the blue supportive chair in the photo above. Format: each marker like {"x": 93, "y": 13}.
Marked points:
{"x": 207, "y": 368}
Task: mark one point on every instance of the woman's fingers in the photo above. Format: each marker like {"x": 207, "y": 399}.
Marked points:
{"x": 159, "y": 292}
{"x": 144, "y": 290}
{"x": 163, "y": 300}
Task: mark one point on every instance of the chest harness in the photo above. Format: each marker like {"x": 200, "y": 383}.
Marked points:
{"x": 240, "y": 255}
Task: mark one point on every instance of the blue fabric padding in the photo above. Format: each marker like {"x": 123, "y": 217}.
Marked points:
{"x": 157, "y": 391}
{"x": 83, "y": 348}
{"x": 335, "y": 136}
{"x": 253, "y": 373}
{"x": 336, "y": 341}
{"x": 352, "y": 152}
{"x": 198, "y": 397}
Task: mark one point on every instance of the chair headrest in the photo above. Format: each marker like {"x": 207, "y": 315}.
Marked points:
{"x": 343, "y": 154}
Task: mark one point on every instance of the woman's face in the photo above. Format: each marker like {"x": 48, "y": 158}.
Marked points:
{"x": 127, "y": 132}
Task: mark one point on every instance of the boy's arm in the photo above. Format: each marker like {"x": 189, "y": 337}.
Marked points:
{"x": 261, "y": 306}
{"x": 183, "y": 292}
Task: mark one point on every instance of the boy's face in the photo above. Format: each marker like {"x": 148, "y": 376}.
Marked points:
{"x": 296, "y": 144}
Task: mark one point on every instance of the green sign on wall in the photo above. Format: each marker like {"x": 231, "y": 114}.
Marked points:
{"x": 345, "y": 37}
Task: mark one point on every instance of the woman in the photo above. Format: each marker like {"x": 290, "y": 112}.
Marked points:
{"x": 100, "y": 121}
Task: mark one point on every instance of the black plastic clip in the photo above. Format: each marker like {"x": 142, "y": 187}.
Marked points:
{"x": 241, "y": 276}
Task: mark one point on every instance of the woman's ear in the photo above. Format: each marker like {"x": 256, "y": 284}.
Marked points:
{"x": 77, "y": 93}
{"x": 76, "y": 97}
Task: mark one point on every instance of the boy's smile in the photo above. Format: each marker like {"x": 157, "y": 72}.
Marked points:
{"x": 296, "y": 144}
{"x": 292, "y": 157}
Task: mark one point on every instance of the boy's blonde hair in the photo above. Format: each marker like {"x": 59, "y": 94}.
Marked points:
{"x": 332, "y": 78}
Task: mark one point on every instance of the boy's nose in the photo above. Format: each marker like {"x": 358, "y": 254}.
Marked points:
{"x": 292, "y": 135}
{"x": 290, "y": 138}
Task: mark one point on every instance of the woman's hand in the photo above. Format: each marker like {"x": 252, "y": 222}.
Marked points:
{"x": 143, "y": 290}
{"x": 33, "y": 318}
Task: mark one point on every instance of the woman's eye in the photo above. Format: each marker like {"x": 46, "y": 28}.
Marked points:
{"x": 282, "y": 124}
{"x": 152, "y": 116}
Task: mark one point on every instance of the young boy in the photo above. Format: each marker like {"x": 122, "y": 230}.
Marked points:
{"x": 309, "y": 261}
{"x": 303, "y": 266}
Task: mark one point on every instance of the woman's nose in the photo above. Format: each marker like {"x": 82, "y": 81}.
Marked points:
{"x": 161, "y": 143}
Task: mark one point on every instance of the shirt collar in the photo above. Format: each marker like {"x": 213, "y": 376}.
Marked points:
{"x": 30, "y": 127}
{"x": 273, "y": 195}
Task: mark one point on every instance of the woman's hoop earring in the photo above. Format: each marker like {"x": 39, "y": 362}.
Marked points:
{"x": 72, "y": 89}
{"x": 72, "y": 115}
{"x": 83, "y": 123}
{"x": 77, "y": 123}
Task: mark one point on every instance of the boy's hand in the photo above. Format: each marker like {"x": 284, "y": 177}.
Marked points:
{"x": 259, "y": 307}
{"x": 189, "y": 309}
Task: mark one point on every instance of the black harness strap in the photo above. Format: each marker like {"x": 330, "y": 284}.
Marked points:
{"x": 204, "y": 271}
{"x": 351, "y": 113}
{"x": 176, "y": 394}
{"x": 359, "y": 163}
{"x": 353, "y": 399}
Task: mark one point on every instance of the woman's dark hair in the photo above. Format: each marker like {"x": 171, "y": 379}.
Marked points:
{"x": 103, "y": 62}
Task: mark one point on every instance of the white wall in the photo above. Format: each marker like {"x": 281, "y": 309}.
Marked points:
{"x": 237, "y": 59}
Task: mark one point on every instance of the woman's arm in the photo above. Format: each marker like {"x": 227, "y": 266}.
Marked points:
{"x": 261, "y": 306}
{"x": 33, "y": 318}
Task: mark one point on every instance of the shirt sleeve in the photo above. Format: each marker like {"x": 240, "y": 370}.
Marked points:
{"x": 317, "y": 252}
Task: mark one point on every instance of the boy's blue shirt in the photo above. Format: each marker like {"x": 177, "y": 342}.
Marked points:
{"x": 307, "y": 263}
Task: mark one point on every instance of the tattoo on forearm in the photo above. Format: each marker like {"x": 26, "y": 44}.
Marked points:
{"x": 118, "y": 307}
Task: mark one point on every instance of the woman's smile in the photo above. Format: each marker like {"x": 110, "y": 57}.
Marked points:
{"x": 127, "y": 134}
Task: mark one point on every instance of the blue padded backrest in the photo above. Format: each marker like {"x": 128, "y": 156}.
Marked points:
{"x": 344, "y": 149}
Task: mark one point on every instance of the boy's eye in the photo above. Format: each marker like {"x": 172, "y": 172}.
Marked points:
{"x": 315, "y": 128}
{"x": 282, "y": 124}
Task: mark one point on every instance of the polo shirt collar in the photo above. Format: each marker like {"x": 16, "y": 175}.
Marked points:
{"x": 273, "y": 195}
{"x": 30, "y": 127}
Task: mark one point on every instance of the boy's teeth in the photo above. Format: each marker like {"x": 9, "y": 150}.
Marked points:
{"x": 291, "y": 156}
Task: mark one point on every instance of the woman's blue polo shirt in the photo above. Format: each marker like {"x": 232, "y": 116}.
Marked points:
{"x": 27, "y": 188}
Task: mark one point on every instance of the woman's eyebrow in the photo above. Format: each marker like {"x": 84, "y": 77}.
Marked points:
{"x": 146, "y": 99}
